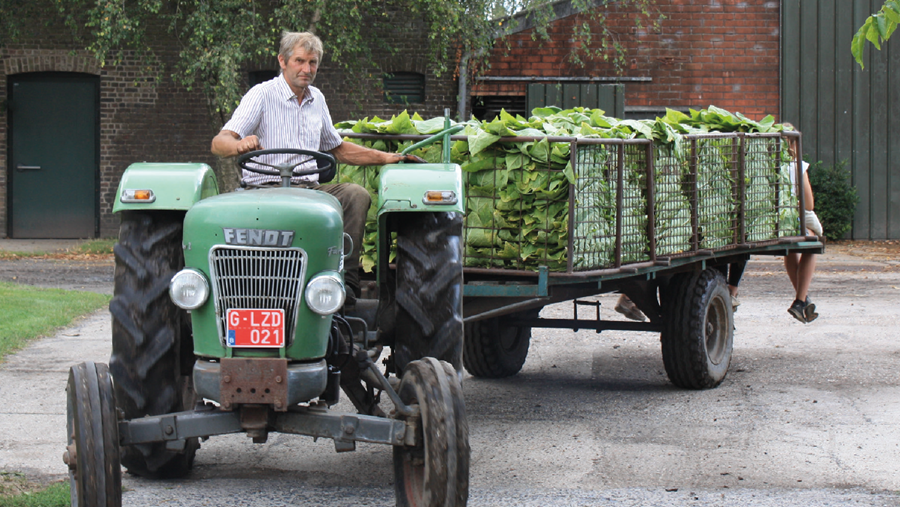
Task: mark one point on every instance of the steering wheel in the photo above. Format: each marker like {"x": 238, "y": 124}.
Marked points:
{"x": 326, "y": 166}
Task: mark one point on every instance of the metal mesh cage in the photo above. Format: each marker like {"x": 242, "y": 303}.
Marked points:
{"x": 516, "y": 212}
{"x": 594, "y": 217}
{"x": 587, "y": 204}
{"x": 714, "y": 160}
{"x": 673, "y": 183}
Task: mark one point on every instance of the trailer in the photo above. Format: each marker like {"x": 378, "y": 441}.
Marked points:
{"x": 676, "y": 219}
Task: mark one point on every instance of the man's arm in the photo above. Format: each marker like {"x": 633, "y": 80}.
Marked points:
{"x": 354, "y": 154}
{"x": 229, "y": 144}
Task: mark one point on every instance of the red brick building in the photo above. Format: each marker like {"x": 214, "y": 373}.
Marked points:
{"x": 786, "y": 58}
{"x": 723, "y": 53}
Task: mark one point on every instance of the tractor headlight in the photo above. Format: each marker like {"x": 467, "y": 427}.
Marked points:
{"x": 325, "y": 293}
{"x": 189, "y": 289}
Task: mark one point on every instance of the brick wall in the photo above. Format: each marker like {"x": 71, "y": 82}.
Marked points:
{"x": 163, "y": 122}
{"x": 722, "y": 53}
{"x": 138, "y": 122}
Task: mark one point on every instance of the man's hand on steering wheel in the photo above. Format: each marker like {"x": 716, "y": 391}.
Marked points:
{"x": 248, "y": 144}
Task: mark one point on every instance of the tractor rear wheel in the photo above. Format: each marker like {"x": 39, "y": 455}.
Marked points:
{"x": 434, "y": 473}
{"x": 92, "y": 451}
{"x": 152, "y": 348}
{"x": 698, "y": 333}
{"x": 494, "y": 349}
{"x": 429, "y": 320}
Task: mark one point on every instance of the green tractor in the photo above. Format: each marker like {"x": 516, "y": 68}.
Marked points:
{"x": 228, "y": 316}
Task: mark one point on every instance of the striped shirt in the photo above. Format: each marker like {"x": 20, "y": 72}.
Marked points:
{"x": 271, "y": 112}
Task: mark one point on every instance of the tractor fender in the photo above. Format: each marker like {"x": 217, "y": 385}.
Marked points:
{"x": 173, "y": 186}
{"x": 403, "y": 188}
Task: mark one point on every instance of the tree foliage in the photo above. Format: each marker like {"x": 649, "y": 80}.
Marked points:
{"x": 877, "y": 29}
{"x": 218, "y": 39}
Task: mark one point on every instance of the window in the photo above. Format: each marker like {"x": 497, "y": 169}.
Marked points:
{"x": 404, "y": 88}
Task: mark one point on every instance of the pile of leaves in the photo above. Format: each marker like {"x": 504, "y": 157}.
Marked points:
{"x": 518, "y": 181}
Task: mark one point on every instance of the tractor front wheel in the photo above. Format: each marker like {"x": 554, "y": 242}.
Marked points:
{"x": 435, "y": 472}
{"x": 92, "y": 450}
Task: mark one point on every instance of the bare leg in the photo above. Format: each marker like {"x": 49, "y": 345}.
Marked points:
{"x": 791, "y": 263}
{"x": 804, "y": 274}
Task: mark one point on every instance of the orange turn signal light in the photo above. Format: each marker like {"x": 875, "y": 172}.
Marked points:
{"x": 439, "y": 197}
{"x": 138, "y": 196}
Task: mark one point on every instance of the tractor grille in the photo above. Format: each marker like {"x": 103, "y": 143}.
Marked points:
{"x": 257, "y": 278}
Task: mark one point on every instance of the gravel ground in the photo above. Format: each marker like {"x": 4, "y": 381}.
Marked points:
{"x": 808, "y": 415}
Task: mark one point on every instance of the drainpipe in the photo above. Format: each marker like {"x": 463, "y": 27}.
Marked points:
{"x": 461, "y": 94}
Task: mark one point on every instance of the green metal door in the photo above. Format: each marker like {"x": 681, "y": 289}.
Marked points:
{"x": 847, "y": 115}
{"x": 53, "y": 155}
{"x": 608, "y": 97}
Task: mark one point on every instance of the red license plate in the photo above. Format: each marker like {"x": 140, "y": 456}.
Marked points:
{"x": 255, "y": 328}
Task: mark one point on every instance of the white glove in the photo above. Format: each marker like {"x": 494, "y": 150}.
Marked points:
{"x": 812, "y": 222}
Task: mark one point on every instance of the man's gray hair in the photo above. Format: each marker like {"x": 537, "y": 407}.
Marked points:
{"x": 306, "y": 40}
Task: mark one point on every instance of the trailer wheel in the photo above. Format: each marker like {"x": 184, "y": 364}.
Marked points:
{"x": 496, "y": 350}
{"x": 150, "y": 337}
{"x": 698, "y": 333}
{"x": 92, "y": 451}
{"x": 429, "y": 320}
{"x": 434, "y": 473}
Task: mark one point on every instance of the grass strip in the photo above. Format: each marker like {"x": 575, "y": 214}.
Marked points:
{"x": 29, "y": 312}
{"x": 16, "y": 491}
{"x": 89, "y": 248}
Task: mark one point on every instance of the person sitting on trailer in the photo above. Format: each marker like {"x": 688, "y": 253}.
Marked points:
{"x": 800, "y": 267}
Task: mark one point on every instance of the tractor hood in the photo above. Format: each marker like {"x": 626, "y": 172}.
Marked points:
{"x": 253, "y": 217}
{"x": 259, "y": 226}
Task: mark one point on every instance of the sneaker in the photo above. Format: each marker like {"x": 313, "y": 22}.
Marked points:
{"x": 809, "y": 311}
{"x": 627, "y": 308}
{"x": 734, "y": 303}
{"x": 798, "y": 310}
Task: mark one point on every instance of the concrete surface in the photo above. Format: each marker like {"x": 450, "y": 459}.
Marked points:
{"x": 39, "y": 245}
{"x": 809, "y": 415}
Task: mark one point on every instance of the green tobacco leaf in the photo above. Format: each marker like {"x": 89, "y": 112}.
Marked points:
{"x": 540, "y": 151}
{"x": 432, "y": 126}
{"x": 481, "y": 140}
{"x": 513, "y": 122}
{"x": 515, "y": 160}
{"x": 674, "y": 117}
{"x": 402, "y": 124}
{"x": 765, "y": 125}
{"x": 598, "y": 120}
{"x": 543, "y": 112}
{"x": 638, "y": 127}
{"x": 499, "y": 128}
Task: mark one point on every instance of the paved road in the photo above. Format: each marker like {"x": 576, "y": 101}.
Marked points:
{"x": 808, "y": 416}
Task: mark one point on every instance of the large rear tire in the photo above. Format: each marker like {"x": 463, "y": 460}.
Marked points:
{"x": 434, "y": 473}
{"x": 429, "y": 320}
{"x": 151, "y": 340}
{"x": 92, "y": 451}
{"x": 698, "y": 334}
{"x": 496, "y": 350}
